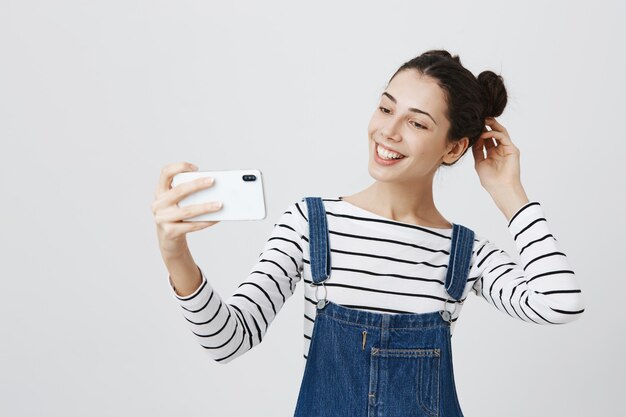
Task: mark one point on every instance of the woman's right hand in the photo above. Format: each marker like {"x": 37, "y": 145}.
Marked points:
{"x": 171, "y": 230}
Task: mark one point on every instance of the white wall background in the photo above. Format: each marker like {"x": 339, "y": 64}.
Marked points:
{"x": 96, "y": 97}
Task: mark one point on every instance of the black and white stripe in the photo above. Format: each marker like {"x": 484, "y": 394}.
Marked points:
{"x": 382, "y": 265}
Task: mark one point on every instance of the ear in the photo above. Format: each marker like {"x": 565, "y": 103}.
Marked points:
{"x": 456, "y": 149}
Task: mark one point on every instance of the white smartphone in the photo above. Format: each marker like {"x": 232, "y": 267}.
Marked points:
{"x": 240, "y": 191}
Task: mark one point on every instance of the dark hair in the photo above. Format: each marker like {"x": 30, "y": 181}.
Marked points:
{"x": 469, "y": 99}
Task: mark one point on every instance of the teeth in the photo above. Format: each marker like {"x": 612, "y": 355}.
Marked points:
{"x": 385, "y": 154}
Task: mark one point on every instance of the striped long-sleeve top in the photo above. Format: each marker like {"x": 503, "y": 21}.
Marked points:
{"x": 383, "y": 265}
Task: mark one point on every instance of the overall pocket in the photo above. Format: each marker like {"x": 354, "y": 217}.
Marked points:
{"x": 413, "y": 375}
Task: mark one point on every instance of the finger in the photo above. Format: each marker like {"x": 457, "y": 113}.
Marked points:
{"x": 501, "y": 137}
{"x": 172, "y": 197}
{"x": 173, "y": 214}
{"x": 495, "y": 125}
{"x": 176, "y": 194}
{"x": 477, "y": 150}
{"x": 487, "y": 138}
{"x": 168, "y": 172}
{"x": 188, "y": 227}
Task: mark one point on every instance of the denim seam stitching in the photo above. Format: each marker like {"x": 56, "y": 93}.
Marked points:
{"x": 357, "y": 324}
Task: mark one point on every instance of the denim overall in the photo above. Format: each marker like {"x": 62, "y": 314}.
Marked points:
{"x": 362, "y": 363}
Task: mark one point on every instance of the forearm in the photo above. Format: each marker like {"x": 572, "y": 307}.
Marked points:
{"x": 184, "y": 274}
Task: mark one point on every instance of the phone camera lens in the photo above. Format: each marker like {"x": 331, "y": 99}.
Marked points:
{"x": 249, "y": 177}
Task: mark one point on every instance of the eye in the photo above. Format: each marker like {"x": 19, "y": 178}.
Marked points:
{"x": 419, "y": 125}
{"x": 384, "y": 109}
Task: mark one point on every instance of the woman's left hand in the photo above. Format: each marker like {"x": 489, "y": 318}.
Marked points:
{"x": 501, "y": 167}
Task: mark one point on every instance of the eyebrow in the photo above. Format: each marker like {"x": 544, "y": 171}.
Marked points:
{"x": 413, "y": 109}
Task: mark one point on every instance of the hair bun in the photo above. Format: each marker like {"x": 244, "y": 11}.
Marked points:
{"x": 494, "y": 93}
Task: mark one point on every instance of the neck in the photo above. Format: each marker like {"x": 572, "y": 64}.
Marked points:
{"x": 411, "y": 204}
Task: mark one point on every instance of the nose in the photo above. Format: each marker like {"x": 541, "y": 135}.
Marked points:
{"x": 390, "y": 130}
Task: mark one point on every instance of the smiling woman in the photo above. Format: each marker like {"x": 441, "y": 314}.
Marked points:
{"x": 394, "y": 273}
{"x": 432, "y": 110}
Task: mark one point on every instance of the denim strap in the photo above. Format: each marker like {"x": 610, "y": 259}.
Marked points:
{"x": 318, "y": 239}
{"x": 460, "y": 257}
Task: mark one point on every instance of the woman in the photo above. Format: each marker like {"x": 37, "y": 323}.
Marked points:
{"x": 377, "y": 323}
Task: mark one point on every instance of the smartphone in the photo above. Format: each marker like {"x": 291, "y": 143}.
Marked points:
{"x": 240, "y": 191}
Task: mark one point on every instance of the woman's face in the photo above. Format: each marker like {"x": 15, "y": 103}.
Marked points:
{"x": 409, "y": 119}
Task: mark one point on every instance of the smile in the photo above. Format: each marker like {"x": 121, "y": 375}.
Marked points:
{"x": 387, "y": 153}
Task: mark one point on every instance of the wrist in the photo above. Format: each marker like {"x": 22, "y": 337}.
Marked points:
{"x": 509, "y": 198}
{"x": 176, "y": 254}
